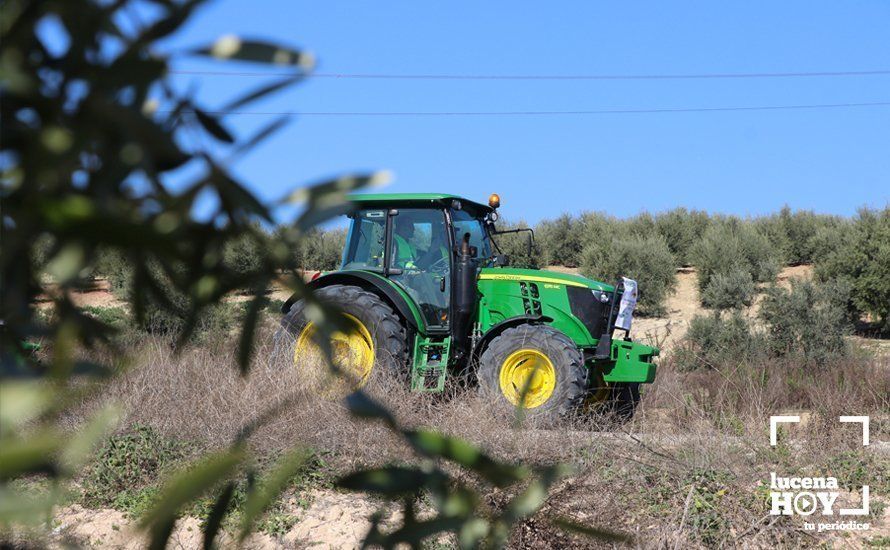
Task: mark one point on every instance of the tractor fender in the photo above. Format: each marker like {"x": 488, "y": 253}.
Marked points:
{"x": 498, "y": 328}
{"x": 371, "y": 282}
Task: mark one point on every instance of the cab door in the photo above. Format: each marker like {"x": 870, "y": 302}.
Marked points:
{"x": 420, "y": 258}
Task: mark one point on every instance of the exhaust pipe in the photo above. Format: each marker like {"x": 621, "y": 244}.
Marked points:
{"x": 464, "y": 298}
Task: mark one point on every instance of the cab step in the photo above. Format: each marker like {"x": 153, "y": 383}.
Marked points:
{"x": 429, "y": 363}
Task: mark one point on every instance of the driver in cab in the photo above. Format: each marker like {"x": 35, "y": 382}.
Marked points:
{"x": 425, "y": 271}
{"x": 406, "y": 254}
{"x": 404, "y": 249}
{"x": 436, "y": 258}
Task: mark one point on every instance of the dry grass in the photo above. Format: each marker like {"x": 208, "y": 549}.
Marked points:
{"x": 198, "y": 395}
{"x": 700, "y": 437}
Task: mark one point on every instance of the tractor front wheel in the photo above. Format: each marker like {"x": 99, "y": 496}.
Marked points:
{"x": 535, "y": 367}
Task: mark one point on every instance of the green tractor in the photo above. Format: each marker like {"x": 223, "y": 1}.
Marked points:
{"x": 426, "y": 294}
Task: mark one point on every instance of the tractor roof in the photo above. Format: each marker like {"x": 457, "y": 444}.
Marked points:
{"x": 417, "y": 200}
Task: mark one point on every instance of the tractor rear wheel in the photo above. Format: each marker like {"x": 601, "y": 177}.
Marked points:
{"x": 374, "y": 343}
{"x": 536, "y": 367}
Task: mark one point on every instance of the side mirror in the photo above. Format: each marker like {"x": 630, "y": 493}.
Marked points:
{"x": 501, "y": 260}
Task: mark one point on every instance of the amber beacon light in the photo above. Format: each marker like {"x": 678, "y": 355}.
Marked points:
{"x": 494, "y": 200}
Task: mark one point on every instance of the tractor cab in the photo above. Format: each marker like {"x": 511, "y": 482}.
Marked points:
{"x": 413, "y": 241}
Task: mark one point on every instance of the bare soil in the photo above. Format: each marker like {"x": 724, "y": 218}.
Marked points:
{"x": 98, "y": 293}
{"x": 332, "y": 520}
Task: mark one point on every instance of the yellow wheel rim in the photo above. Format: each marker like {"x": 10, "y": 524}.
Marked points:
{"x": 352, "y": 350}
{"x": 598, "y": 393}
{"x": 600, "y": 389}
{"x": 531, "y": 369}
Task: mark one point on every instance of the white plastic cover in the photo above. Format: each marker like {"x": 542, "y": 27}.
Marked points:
{"x": 627, "y": 305}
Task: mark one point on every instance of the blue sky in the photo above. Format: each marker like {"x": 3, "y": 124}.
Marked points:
{"x": 746, "y": 163}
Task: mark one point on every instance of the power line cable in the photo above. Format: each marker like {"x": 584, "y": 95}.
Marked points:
{"x": 386, "y": 76}
{"x": 553, "y": 113}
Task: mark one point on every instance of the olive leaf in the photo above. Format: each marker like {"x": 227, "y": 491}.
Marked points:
{"x": 255, "y": 51}
{"x": 270, "y": 488}
{"x": 184, "y": 487}
{"x": 217, "y": 513}
{"x": 605, "y": 535}
{"x": 213, "y": 126}
{"x": 392, "y": 481}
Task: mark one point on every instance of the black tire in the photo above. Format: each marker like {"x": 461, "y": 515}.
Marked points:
{"x": 387, "y": 331}
{"x": 624, "y": 400}
{"x": 568, "y": 363}
{"x": 619, "y": 400}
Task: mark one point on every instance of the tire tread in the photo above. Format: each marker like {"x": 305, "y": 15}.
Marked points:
{"x": 571, "y": 385}
{"x": 382, "y": 322}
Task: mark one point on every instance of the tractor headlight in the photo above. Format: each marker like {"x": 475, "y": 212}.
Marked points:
{"x": 600, "y": 296}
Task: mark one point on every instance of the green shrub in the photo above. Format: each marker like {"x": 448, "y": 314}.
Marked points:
{"x": 127, "y": 475}
{"x": 321, "y": 250}
{"x": 773, "y": 229}
{"x": 863, "y": 261}
{"x": 244, "y": 254}
{"x": 313, "y": 473}
{"x": 215, "y": 322}
{"x": 853, "y": 469}
{"x": 217, "y": 319}
{"x": 128, "y": 463}
{"x": 729, "y": 245}
{"x": 802, "y": 226}
{"x": 643, "y": 224}
{"x": 792, "y": 233}
{"x": 561, "y": 241}
{"x": 106, "y": 260}
{"x": 715, "y": 340}
{"x": 731, "y": 290}
{"x": 42, "y": 250}
{"x": 681, "y": 229}
{"x": 829, "y": 239}
{"x": 597, "y": 225}
{"x": 116, "y": 317}
{"x": 646, "y": 259}
{"x": 808, "y": 320}
{"x": 135, "y": 502}
{"x": 118, "y": 270}
{"x": 708, "y": 520}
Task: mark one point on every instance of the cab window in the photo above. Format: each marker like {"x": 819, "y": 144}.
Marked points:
{"x": 365, "y": 241}
{"x": 465, "y": 223}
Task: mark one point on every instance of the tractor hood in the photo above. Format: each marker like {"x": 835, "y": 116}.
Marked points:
{"x": 540, "y": 276}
